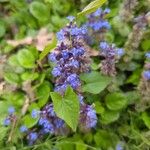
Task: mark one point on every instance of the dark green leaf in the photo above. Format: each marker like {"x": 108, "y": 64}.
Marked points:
{"x": 99, "y": 108}
{"x": 133, "y": 97}
{"x": 146, "y": 119}
{"x": 105, "y": 139}
{"x": 109, "y": 116}
{"x": 146, "y": 44}
{"x": 43, "y": 92}
{"x": 67, "y": 107}
{"x": 2, "y": 29}
{"x": 116, "y": 101}
{"x": 134, "y": 78}
{"x": 95, "y": 82}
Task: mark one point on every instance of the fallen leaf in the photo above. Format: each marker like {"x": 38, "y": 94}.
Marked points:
{"x": 42, "y": 39}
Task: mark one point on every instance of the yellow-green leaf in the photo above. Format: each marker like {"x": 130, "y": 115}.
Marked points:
{"x": 92, "y": 7}
{"x": 48, "y": 48}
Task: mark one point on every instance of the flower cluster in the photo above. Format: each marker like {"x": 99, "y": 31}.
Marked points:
{"x": 97, "y": 21}
{"x": 97, "y": 25}
{"x": 136, "y": 35}
{"x": 88, "y": 117}
{"x": 146, "y": 72}
{"x": 11, "y": 116}
{"x": 32, "y": 137}
{"x": 126, "y": 10}
{"x": 72, "y": 59}
{"x": 69, "y": 58}
{"x": 111, "y": 54}
{"x": 48, "y": 121}
{"x": 144, "y": 85}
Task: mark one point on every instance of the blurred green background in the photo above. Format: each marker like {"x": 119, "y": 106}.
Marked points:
{"x": 26, "y": 28}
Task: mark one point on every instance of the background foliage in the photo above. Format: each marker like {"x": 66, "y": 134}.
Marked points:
{"x": 25, "y": 74}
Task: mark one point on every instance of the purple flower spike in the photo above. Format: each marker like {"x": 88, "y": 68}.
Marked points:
{"x": 97, "y": 21}
{"x": 56, "y": 71}
{"x": 88, "y": 118}
{"x": 110, "y": 54}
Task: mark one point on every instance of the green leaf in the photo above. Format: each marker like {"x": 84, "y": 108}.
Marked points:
{"x": 33, "y": 106}
{"x": 90, "y": 77}
{"x": 43, "y": 92}
{"x": 133, "y": 97}
{"x": 92, "y": 7}
{"x": 28, "y": 121}
{"x": 13, "y": 61}
{"x": 3, "y": 132}
{"x": 146, "y": 44}
{"x": 29, "y": 76}
{"x": 105, "y": 139}
{"x": 40, "y": 11}
{"x": 26, "y": 58}
{"x": 134, "y": 78}
{"x": 3, "y": 107}
{"x": 116, "y": 101}
{"x": 34, "y": 52}
{"x": 146, "y": 119}
{"x": 94, "y": 66}
{"x": 124, "y": 130}
{"x": 109, "y": 116}
{"x": 67, "y": 107}
{"x": 95, "y": 82}
{"x": 2, "y": 29}
{"x": 48, "y": 48}
{"x": 99, "y": 108}
{"x": 88, "y": 137}
{"x": 80, "y": 145}
{"x": 95, "y": 88}
{"x": 16, "y": 98}
{"x": 11, "y": 77}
